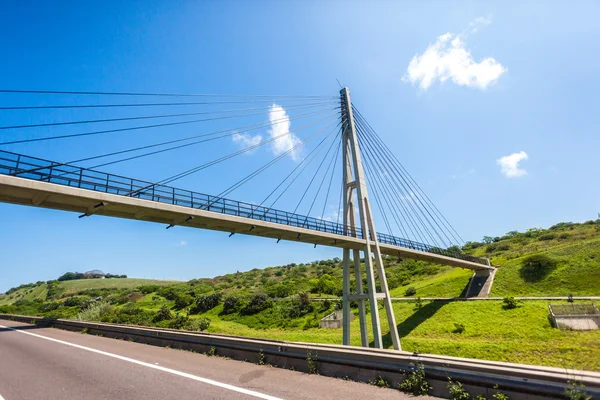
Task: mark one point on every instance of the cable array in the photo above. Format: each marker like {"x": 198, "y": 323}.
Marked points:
{"x": 397, "y": 195}
{"x": 153, "y": 125}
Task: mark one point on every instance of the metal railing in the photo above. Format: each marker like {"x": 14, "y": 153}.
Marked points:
{"x": 38, "y": 169}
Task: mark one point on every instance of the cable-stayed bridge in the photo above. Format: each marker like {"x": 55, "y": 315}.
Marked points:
{"x": 333, "y": 143}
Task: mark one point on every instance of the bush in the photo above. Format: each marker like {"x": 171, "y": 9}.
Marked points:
{"x": 50, "y": 306}
{"x": 231, "y": 304}
{"x": 301, "y": 305}
{"x": 457, "y": 392}
{"x": 416, "y": 383}
{"x": 163, "y": 314}
{"x": 95, "y": 312}
{"x": 205, "y": 303}
{"x": 180, "y": 322}
{"x": 200, "y": 324}
{"x": 182, "y": 300}
{"x": 146, "y": 289}
{"x": 410, "y": 291}
{"x": 76, "y": 301}
{"x": 536, "y": 267}
{"x": 576, "y": 391}
{"x": 547, "y": 236}
{"x": 510, "y": 303}
{"x": 503, "y": 246}
{"x": 490, "y": 248}
{"x": 257, "y": 303}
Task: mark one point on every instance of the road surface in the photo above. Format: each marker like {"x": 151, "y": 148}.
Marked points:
{"x": 46, "y": 363}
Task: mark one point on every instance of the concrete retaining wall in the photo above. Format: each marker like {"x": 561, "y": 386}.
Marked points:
{"x": 479, "y": 377}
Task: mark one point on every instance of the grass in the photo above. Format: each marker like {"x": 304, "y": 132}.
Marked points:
{"x": 578, "y": 273}
{"x": 522, "y": 335}
{"x": 449, "y": 283}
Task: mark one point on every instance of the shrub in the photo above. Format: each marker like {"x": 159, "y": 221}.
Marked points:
{"x": 50, "y": 306}
{"x": 146, "y": 289}
{"x": 410, "y": 291}
{"x": 231, "y": 304}
{"x": 536, "y": 267}
{"x": 311, "y": 363}
{"x": 503, "y": 246}
{"x": 163, "y": 314}
{"x": 510, "y": 303}
{"x": 279, "y": 291}
{"x": 205, "y": 303}
{"x": 95, "y": 312}
{"x": 418, "y": 303}
{"x": 182, "y": 300}
{"x": 490, "y": 248}
{"x": 200, "y": 324}
{"x": 416, "y": 383}
{"x": 380, "y": 382}
{"x": 457, "y": 392}
{"x": 547, "y": 236}
{"x": 458, "y": 328}
{"x": 576, "y": 391}
{"x": 563, "y": 236}
{"x": 180, "y": 322}
{"x": 257, "y": 303}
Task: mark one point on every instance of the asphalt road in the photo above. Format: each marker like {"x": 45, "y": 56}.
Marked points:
{"x": 46, "y": 363}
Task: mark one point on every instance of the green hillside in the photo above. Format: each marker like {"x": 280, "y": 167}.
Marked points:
{"x": 278, "y": 302}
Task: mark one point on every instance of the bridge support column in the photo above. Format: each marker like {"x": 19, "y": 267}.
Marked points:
{"x": 355, "y": 193}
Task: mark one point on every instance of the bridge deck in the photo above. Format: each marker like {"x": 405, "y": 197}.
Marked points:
{"x": 51, "y": 185}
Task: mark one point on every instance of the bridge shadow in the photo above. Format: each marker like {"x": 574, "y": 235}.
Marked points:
{"x": 411, "y": 323}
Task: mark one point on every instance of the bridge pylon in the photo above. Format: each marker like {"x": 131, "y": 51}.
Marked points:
{"x": 356, "y": 196}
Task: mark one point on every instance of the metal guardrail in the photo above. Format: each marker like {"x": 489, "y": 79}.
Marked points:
{"x": 38, "y": 169}
{"x": 519, "y": 381}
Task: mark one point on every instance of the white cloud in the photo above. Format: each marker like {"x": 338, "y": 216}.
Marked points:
{"x": 182, "y": 243}
{"x": 280, "y": 125}
{"x": 449, "y": 58}
{"x": 509, "y": 165}
{"x": 246, "y": 140}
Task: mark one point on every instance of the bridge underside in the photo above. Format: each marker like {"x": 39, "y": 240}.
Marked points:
{"x": 42, "y": 194}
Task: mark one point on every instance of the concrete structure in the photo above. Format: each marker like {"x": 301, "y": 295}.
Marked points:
{"x": 356, "y": 197}
{"x": 334, "y": 320}
{"x": 83, "y": 201}
{"x": 577, "y": 317}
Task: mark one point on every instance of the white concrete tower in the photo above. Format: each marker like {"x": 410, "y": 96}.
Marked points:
{"x": 356, "y": 196}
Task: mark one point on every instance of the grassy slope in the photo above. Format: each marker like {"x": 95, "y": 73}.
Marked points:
{"x": 522, "y": 335}
{"x": 70, "y": 287}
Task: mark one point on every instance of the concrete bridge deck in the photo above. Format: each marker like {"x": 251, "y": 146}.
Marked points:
{"x": 31, "y": 192}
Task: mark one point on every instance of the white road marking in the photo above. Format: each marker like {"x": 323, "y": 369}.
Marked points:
{"x": 144, "y": 364}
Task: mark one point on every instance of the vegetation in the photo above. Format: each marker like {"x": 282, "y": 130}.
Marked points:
{"x": 279, "y": 302}
{"x": 416, "y": 383}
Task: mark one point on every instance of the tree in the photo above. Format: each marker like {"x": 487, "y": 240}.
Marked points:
{"x": 487, "y": 239}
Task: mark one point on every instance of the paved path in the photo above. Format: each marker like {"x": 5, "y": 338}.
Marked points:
{"x": 46, "y": 363}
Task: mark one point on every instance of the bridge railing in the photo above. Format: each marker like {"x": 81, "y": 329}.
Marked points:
{"x": 68, "y": 175}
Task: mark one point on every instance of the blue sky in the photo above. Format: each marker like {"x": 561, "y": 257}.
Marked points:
{"x": 492, "y": 106}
